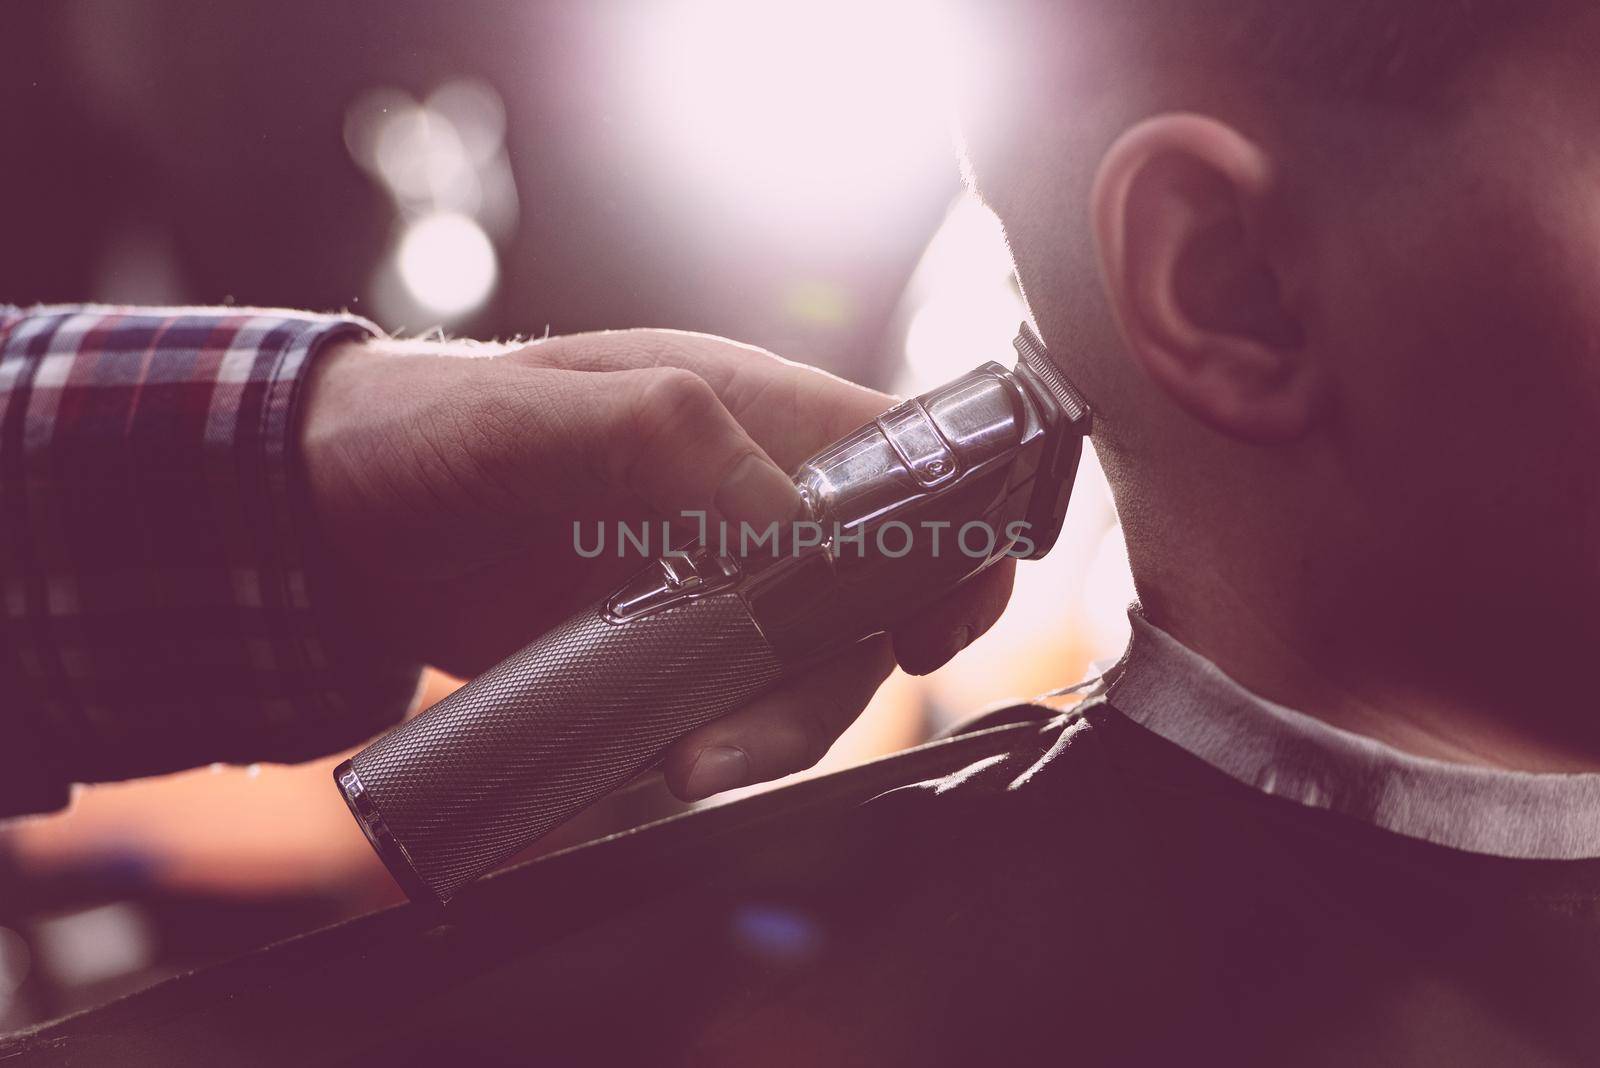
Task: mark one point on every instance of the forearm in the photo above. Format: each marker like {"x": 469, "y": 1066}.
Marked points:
{"x": 153, "y": 551}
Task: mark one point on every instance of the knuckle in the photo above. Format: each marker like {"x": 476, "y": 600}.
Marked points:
{"x": 553, "y": 352}
{"x": 662, "y": 406}
{"x": 597, "y": 351}
{"x": 670, "y": 401}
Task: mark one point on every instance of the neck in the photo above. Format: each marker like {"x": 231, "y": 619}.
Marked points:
{"x": 1463, "y": 692}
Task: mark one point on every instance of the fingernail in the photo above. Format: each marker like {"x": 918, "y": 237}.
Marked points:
{"x": 717, "y": 768}
{"x": 757, "y": 493}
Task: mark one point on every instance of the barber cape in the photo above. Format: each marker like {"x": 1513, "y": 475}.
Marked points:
{"x": 1197, "y": 877}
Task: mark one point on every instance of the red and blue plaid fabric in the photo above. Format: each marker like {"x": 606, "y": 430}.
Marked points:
{"x": 155, "y": 612}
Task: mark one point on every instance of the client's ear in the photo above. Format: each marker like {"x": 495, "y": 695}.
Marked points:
{"x": 1183, "y": 215}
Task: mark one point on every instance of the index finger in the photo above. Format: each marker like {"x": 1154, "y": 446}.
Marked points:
{"x": 790, "y": 409}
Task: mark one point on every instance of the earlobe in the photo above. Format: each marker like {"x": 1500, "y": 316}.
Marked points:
{"x": 1182, "y": 209}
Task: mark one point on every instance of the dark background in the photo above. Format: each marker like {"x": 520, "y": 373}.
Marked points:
{"x": 215, "y": 129}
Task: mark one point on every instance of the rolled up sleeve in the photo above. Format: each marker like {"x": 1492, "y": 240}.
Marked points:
{"x": 155, "y": 611}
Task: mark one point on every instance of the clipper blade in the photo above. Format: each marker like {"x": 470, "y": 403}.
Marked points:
{"x": 1032, "y": 354}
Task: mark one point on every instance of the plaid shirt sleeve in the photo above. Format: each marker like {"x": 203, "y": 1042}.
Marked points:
{"x": 154, "y": 608}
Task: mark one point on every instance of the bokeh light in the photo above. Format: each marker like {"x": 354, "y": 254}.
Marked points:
{"x": 447, "y": 263}
{"x": 443, "y": 163}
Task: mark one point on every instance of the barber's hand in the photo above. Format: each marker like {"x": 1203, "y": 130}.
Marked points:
{"x": 445, "y": 485}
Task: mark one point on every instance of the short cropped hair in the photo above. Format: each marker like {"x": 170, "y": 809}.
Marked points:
{"x": 1396, "y": 51}
{"x": 1089, "y": 69}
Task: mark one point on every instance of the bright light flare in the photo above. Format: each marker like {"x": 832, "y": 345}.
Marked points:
{"x": 1069, "y": 609}
{"x": 822, "y": 103}
{"x": 966, "y": 303}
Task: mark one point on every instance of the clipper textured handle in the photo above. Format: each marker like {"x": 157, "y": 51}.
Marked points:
{"x": 454, "y": 792}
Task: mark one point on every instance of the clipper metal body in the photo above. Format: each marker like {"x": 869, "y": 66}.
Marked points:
{"x": 900, "y": 512}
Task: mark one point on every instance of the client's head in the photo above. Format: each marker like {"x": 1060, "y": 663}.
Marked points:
{"x": 1329, "y": 271}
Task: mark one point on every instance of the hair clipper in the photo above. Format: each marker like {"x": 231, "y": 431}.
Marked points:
{"x": 906, "y": 508}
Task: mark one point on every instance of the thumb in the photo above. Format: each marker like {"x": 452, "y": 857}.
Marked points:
{"x": 677, "y": 447}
